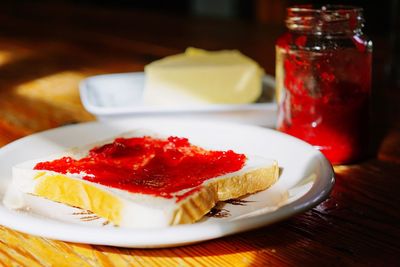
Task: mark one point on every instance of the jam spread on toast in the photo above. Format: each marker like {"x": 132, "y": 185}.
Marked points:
{"x": 147, "y": 165}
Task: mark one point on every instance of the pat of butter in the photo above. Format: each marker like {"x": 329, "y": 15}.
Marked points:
{"x": 199, "y": 77}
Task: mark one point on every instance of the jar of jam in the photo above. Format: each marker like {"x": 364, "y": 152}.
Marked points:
{"x": 323, "y": 80}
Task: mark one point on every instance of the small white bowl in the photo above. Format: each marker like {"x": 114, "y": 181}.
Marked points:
{"x": 120, "y": 95}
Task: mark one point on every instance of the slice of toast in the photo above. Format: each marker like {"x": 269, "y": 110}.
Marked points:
{"x": 147, "y": 210}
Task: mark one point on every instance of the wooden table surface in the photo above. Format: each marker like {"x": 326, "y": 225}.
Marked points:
{"x": 46, "y": 51}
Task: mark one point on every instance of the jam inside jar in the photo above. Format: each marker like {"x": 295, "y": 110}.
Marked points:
{"x": 323, "y": 80}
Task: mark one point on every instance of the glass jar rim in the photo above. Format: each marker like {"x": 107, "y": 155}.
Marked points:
{"x": 325, "y": 8}
{"x": 325, "y": 18}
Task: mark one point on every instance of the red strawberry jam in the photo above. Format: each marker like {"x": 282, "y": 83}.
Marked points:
{"x": 147, "y": 165}
{"x": 323, "y": 71}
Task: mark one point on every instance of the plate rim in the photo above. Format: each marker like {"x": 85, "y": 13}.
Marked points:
{"x": 319, "y": 191}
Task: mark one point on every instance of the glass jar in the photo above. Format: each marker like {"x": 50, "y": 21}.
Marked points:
{"x": 323, "y": 80}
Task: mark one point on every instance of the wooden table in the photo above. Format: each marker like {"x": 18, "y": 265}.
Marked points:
{"x": 46, "y": 50}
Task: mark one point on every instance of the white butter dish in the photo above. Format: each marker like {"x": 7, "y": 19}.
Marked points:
{"x": 120, "y": 95}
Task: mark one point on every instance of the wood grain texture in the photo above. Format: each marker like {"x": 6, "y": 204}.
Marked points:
{"x": 46, "y": 50}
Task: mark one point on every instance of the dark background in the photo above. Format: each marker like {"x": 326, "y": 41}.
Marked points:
{"x": 382, "y": 18}
{"x": 380, "y": 15}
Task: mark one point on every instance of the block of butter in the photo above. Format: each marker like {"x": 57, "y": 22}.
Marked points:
{"x": 199, "y": 77}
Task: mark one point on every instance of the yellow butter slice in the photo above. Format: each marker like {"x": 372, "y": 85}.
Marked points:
{"x": 203, "y": 77}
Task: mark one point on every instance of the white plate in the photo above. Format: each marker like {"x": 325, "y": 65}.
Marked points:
{"x": 120, "y": 95}
{"x": 306, "y": 180}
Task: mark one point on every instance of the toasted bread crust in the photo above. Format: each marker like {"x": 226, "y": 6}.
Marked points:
{"x": 81, "y": 194}
{"x": 196, "y": 205}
